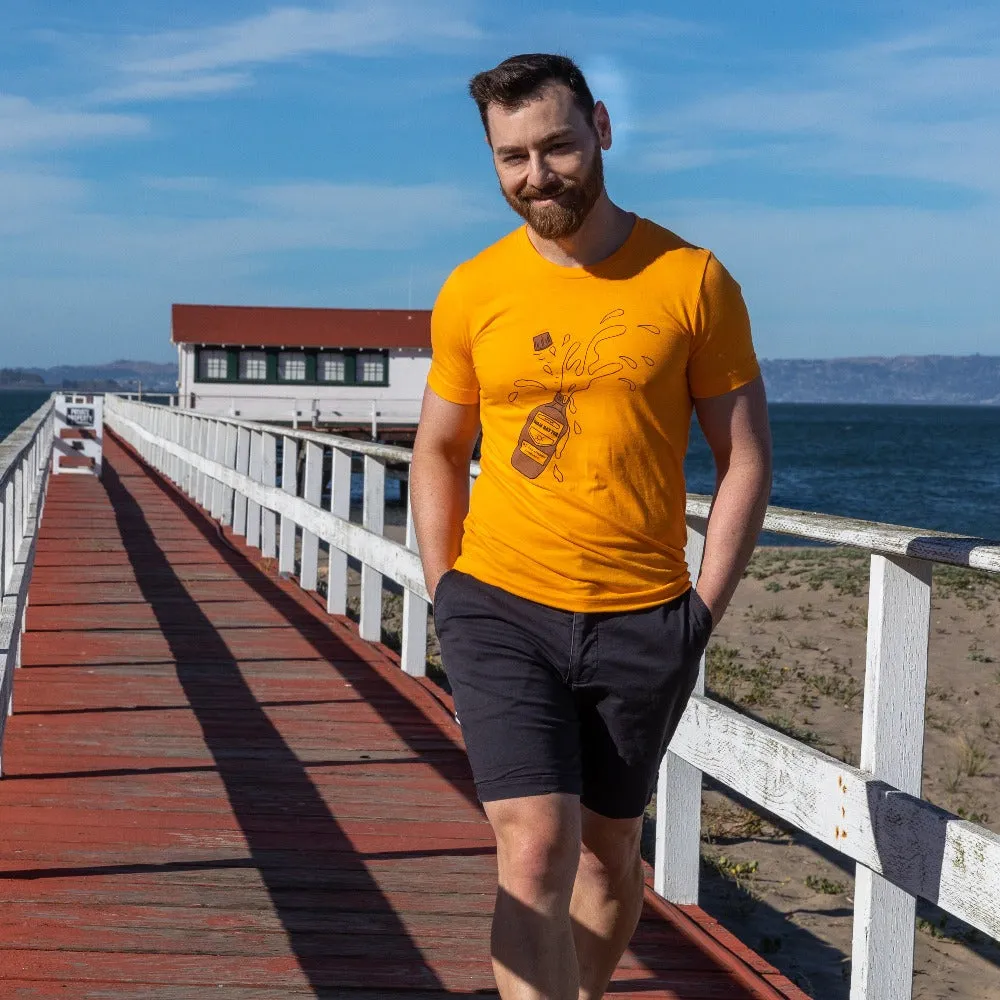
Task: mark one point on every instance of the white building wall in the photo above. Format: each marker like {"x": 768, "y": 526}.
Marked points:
{"x": 396, "y": 403}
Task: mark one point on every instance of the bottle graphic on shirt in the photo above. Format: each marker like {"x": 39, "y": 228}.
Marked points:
{"x": 544, "y": 429}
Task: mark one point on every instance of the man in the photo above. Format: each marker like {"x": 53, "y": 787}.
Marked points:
{"x": 579, "y": 345}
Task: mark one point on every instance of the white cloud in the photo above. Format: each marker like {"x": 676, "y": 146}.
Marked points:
{"x": 202, "y": 61}
{"x": 26, "y": 125}
{"x": 167, "y": 88}
{"x": 925, "y": 107}
{"x": 258, "y": 220}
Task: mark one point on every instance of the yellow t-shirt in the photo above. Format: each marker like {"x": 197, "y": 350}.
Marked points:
{"x": 585, "y": 379}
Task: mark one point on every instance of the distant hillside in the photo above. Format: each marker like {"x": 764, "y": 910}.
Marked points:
{"x": 972, "y": 380}
{"x": 114, "y": 375}
{"x": 943, "y": 379}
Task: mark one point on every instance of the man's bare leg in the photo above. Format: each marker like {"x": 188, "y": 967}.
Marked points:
{"x": 607, "y": 897}
{"x": 538, "y": 848}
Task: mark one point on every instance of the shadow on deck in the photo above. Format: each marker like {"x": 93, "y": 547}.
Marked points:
{"x": 213, "y": 787}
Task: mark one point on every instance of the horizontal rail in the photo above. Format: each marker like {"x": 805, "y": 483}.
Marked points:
{"x": 923, "y": 849}
{"x": 873, "y": 536}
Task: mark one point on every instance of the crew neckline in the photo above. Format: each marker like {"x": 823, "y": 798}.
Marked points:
{"x": 589, "y": 270}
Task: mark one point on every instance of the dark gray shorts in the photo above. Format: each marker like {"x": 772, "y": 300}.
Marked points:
{"x": 560, "y": 701}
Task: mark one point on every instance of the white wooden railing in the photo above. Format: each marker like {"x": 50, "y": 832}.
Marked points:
{"x": 24, "y": 469}
{"x": 903, "y": 846}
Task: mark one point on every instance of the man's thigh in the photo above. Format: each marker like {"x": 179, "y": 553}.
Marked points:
{"x": 516, "y": 709}
{"x": 632, "y": 693}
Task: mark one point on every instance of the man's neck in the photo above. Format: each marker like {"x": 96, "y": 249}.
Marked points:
{"x": 603, "y": 232}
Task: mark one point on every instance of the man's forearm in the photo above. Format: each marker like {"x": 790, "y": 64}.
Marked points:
{"x": 439, "y": 493}
{"x": 733, "y": 526}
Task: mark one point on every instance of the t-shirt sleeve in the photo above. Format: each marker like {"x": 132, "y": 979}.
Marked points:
{"x": 452, "y": 374}
{"x": 722, "y": 356}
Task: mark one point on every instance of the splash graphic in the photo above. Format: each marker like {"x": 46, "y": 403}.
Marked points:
{"x": 547, "y": 430}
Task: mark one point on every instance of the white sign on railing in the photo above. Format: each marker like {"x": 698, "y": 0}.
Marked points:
{"x": 79, "y": 434}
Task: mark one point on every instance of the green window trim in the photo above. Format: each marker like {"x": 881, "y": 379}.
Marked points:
{"x": 351, "y": 367}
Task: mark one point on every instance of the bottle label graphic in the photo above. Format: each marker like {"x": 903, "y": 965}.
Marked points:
{"x": 543, "y": 430}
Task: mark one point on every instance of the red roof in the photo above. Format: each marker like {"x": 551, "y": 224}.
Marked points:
{"x": 270, "y": 326}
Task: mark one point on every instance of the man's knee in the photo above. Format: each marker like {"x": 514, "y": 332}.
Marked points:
{"x": 538, "y": 841}
{"x": 611, "y": 848}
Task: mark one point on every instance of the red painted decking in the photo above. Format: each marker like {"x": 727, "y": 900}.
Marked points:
{"x": 212, "y": 789}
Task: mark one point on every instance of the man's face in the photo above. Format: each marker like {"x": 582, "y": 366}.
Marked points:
{"x": 548, "y": 160}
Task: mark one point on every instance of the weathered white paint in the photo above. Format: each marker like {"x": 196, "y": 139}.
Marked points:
{"x": 924, "y": 850}
{"x": 312, "y": 489}
{"x": 373, "y": 518}
{"x": 289, "y": 467}
{"x": 678, "y": 787}
{"x": 892, "y": 749}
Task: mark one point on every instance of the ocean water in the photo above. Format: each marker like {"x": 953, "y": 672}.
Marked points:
{"x": 931, "y": 467}
{"x": 935, "y": 467}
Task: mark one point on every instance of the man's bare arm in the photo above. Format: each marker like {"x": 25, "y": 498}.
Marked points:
{"x": 439, "y": 481}
{"x": 736, "y": 428}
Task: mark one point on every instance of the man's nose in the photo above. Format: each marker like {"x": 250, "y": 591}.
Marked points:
{"x": 540, "y": 175}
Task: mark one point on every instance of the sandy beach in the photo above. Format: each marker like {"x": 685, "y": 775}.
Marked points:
{"x": 791, "y": 652}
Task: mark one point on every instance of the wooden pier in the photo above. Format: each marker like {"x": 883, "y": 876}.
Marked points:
{"x": 214, "y": 788}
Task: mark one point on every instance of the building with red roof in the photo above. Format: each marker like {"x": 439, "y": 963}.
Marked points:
{"x": 296, "y": 365}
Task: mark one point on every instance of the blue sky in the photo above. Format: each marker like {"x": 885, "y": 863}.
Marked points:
{"x": 841, "y": 159}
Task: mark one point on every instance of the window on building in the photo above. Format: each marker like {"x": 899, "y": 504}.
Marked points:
{"x": 212, "y": 365}
{"x": 370, "y": 367}
{"x": 331, "y": 366}
{"x": 291, "y": 366}
{"x": 253, "y": 365}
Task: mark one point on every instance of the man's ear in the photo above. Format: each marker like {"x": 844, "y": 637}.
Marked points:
{"x": 602, "y": 124}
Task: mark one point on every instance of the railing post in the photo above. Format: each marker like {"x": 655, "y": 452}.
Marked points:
{"x": 229, "y": 461}
{"x": 218, "y": 454}
{"x": 289, "y": 484}
{"x": 268, "y": 474}
{"x": 373, "y": 518}
{"x": 312, "y": 490}
{"x": 892, "y": 749}
{"x": 340, "y": 505}
{"x": 207, "y": 441}
{"x": 9, "y": 540}
{"x": 253, "y": 508}
{"x": 413, "y": 654}
{"x": 184, "y": 439}
{"x": 678, "y": 789}
{"x": 243, "y": 467}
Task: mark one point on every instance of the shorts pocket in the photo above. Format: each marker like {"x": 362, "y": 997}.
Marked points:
{"x": 441, "y": 591}
{"x": 701, "y": 617}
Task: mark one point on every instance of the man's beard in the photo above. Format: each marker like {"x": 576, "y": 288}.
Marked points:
{"x": 564, "y": 217}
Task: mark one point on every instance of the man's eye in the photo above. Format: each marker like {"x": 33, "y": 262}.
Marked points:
{"x": 513, "y": 158}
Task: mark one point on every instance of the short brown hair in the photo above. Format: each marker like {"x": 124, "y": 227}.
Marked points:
{"x": 512, "y": 83}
